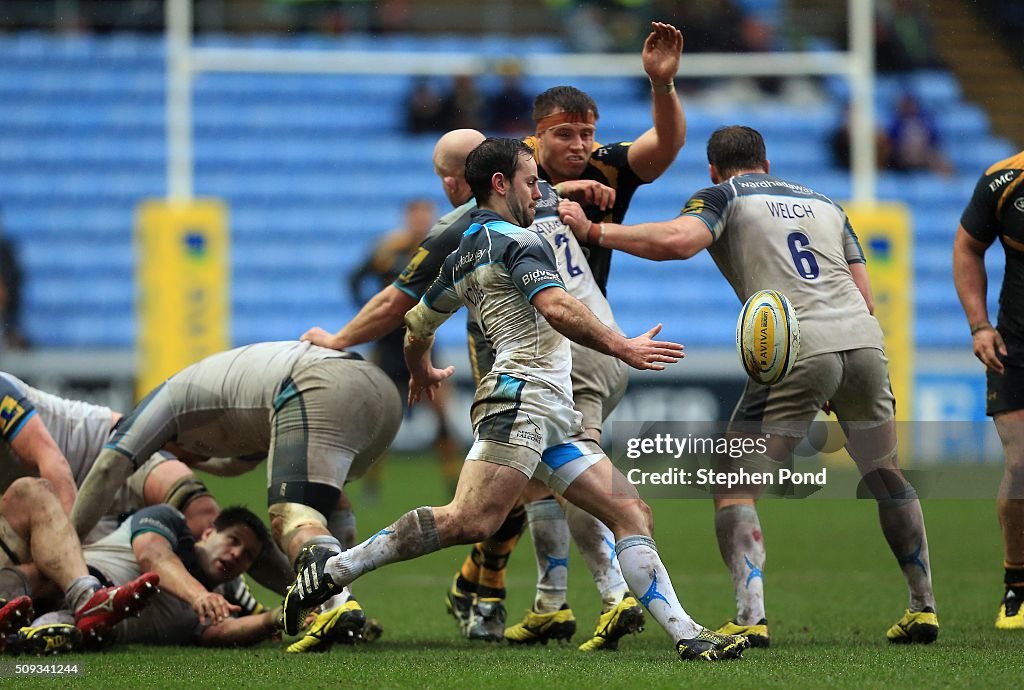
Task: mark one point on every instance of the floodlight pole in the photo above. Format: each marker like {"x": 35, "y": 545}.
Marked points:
{"x": 178, "y": 17}
{"x": 862, "y": 82}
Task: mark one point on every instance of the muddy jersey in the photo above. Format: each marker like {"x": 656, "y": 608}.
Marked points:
{"x": 996, "y": 210}
{"x": 166, "y": 619}
{"x": 773, "y": 234}
{"x": 222, "y": 405}
{"x": 441, "y": 241}
{"x": 609, "y": 165}
{"x": 496, "y": 271}
{"x": 78, "y": 428}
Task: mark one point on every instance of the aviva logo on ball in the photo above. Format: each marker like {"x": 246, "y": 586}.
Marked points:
{"x": 768, "y": 337}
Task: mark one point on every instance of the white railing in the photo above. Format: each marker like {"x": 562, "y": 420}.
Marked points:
{"x": 184, "y": 62}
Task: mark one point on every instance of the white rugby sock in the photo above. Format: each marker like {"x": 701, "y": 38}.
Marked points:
{"x": 597, "y": 546}
{"x": 550, "y": 534}
{"x": 742, "y": 546}
{"x": 412, "y": 535}
{"x": 646, "y": 576}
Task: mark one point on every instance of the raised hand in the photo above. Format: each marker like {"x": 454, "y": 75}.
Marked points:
{"x": 661, "y": 52}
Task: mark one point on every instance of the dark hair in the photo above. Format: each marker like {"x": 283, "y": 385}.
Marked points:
{"x": 563, "y": 98}
{"x": 493, "y": 155}
{"x": 735, "y": 148}
{"x": 237, "y": 515}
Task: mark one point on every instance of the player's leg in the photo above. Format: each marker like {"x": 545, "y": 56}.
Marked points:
{"x": 481, "y": 577}
{"x": 865, "y": 406}
{"x": 35, "y": 527}
{"x": 1010, "y": 509}
{"x": 783, "y": 412}
{"x": 604, "y": 492}
{"x": 312, "y": 455}
{"x": 599, "y": 382}
{"x": 135, "y": 438}
{"x": 550, "y": 616}
{"x": 485, "y": 493}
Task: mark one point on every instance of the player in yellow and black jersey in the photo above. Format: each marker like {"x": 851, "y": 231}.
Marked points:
{"x": 996, "y": 211}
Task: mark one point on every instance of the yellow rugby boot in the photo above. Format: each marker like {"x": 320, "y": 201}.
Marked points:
{"x": 625, "y": 618}
{"x": 541, "y": 627}
{"x": 916, "y": 627}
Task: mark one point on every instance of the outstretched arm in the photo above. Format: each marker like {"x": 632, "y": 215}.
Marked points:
{"x": 575, "y": 321}
{"x": 378, "y": 317}
{"x": 971, "y": 282}
{"x": 678, "y": 238}
{"x": 653, "y": 152}
{"x": 154, "y": 554}
{"x": 243, "y": 631}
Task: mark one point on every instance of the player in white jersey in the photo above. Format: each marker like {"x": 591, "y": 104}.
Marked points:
{"x": 767, "y": 233}
{"x": 58, "y": 439}
{"x": 522, "y": 415}
{"x": 476, "y": 596}
{"x": 318, "y": 416}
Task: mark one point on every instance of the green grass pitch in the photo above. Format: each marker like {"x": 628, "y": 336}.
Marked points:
{"x": 832, "y": 590}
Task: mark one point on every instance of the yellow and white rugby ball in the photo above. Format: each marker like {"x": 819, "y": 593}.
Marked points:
{"x": 768, "y": 337}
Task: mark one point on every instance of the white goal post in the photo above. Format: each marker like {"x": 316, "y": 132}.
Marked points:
{"x": 184, "y": 62}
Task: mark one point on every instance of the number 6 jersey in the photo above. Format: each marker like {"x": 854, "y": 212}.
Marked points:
{"x": 773, "y": 234}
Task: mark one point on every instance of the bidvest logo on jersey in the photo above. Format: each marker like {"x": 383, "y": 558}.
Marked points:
{"x": 1001, "y": 180}
{"x": 539, "y": 276}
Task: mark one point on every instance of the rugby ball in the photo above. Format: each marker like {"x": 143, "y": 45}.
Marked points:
{"x": 768, "y": 337}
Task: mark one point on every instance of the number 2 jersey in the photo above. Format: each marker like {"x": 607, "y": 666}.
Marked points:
{"x": 773, "y": 234}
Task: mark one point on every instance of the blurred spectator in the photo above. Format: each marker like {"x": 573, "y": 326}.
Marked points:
{"x": 914, "y": 140}
{"x": 423, "y": 108}
{"x": 389, "y": 258}
{"x": 10, "y": 294}
{"x": 758, "y": 36}
{"x": 839, "y": 144}
{"x": 601, "y": 26}
{"x": 903, "y": 40}
{"x": 708, "y": 26}
{"x": 463, "y": 106}
{"x": 509, "y": 110}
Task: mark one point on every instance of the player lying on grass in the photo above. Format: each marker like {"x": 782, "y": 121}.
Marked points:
{"x": 50, "y": 436}
{"x": 34, "y": 528}
{"x": 319, "y": 416}
{"x": 203, "y": 598}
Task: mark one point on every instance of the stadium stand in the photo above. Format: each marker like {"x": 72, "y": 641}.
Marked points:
{"x": 82, "y": 143}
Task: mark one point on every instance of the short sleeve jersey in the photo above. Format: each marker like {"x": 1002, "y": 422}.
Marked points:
{"x": 773, "y": 234}
{"x": 78, "y": 428}
{"x": 166, "y": 619}
{"x": 441, "y": 241}
{"x": 496, "y": 271}
{"x": 996, "y": 210}
{"x": 609, "y": 165}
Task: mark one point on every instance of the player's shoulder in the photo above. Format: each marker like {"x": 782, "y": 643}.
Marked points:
{"x": 162, "y": 518}
{"x": 12, "y": 385}
{"x": 998, "y": 176}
